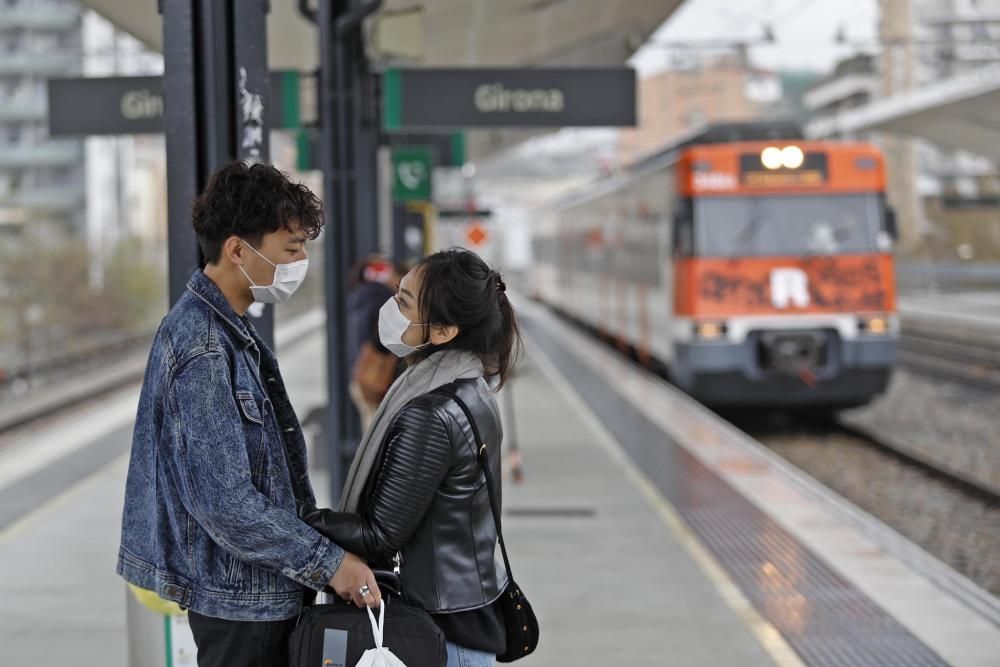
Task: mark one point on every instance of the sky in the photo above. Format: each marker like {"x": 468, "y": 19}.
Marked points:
{"x": 804, "y": 30}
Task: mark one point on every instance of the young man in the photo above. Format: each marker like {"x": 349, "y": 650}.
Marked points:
{"x": 218, "y": 457}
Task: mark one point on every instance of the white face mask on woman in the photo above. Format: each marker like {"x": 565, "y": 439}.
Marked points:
{"x": 287, "y": 279}
{"x": 392, "y": 324}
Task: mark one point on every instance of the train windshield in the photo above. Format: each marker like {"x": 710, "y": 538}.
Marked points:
{"x": 787, "y": 225}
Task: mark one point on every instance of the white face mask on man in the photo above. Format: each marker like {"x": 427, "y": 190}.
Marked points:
{"x": 392, "y": 324}
{"x": 287, "y": 279}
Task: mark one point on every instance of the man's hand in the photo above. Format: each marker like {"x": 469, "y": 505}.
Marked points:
{"x": 349, "y": 579}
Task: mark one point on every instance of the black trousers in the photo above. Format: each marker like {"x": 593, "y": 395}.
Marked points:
{"x": 223, "y": 643}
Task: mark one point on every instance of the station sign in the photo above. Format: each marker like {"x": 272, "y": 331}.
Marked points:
{"x": 486, "y": 97}
{"x": 134, "y": 104}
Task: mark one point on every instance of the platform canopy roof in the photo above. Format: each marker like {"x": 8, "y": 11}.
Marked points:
{"x": 962, "y": 112}
{"x": 457, "y": 33}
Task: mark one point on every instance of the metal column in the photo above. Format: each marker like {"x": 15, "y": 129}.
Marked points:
{"x": 251, "y": 86}
{"x": 205, "y": 45}
{"x": 181, "y": 122}
{"x": 340, "y": 51}
{"x": 368, "y": 117}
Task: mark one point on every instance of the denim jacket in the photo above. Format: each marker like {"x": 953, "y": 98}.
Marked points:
{"x": 210, "y": 513}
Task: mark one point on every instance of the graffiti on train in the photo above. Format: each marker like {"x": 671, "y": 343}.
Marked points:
{"x": 835, "y": 284}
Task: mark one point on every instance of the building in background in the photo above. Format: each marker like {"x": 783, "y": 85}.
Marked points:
{"x": 125, "y": 175}
{"x": 697, "y": 91}
{"x": 671, "y": 103}
{"x": 947, "y": 201}
{"x": 853, "y": 83}
{"x": 82, "y": 220}
{"x": 42, "y": 181}
{"x": 100, "y": 189}
{"x": 955, "y": 195}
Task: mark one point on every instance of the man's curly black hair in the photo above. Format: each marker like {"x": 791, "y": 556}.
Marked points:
{"x": 251, "y": 201}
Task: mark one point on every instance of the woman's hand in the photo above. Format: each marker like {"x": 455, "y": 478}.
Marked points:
{"x": 354, "y": 581}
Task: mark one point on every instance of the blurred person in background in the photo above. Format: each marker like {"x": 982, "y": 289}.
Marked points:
{"x": 218, "y": 458}
{"x": 372, "y": 281}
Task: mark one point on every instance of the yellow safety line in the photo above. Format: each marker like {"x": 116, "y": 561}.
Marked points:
{"x": 24, "y": 522}
{"x": 768, "y": 636}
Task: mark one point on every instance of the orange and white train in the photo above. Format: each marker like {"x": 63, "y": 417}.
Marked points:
{"x": 754, "y": 265}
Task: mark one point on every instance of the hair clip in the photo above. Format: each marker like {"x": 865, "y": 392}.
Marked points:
{"x": 501, "y": 286}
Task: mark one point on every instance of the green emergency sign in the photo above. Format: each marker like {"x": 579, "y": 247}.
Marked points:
{"x": 411, "y": 170}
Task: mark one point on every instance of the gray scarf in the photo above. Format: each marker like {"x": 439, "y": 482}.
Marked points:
{"x": 435, "y": 371}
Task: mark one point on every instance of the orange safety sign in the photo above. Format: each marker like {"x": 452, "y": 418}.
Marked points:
{"x": 476, "y": 234}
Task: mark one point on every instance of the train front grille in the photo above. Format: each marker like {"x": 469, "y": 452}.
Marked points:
{"x": 790, "y": 352}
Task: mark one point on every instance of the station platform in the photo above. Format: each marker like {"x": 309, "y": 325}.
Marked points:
{"x": 645, "y": 532}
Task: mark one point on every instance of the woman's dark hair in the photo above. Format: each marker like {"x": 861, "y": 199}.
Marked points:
{"x": 457, "y": 287}
{"x": 250, "y": 201}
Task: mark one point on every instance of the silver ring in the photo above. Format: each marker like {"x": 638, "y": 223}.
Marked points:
{"x": 364, "y": 590}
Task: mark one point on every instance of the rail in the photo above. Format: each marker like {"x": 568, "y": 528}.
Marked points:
{"x": 102, "y": 378}
{"x": 950, "y": 351}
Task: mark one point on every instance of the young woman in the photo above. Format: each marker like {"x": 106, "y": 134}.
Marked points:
{"x": 416, "y": 487}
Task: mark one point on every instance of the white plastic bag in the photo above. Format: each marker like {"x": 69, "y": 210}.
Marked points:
{"x": 379, "y": 656}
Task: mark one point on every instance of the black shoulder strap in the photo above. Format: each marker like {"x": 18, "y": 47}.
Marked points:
{"x": 490, "y": 489}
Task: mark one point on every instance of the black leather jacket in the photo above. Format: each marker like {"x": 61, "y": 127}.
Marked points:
{"x": 427, "y": 500}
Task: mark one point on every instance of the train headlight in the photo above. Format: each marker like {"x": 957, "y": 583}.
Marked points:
{"x": 770, "y": 157}
{"x": 709, "y": 330}
{"x": 874, "y": 324}
{"x": 792, "y": 157}
{"x": 789, "y": 157}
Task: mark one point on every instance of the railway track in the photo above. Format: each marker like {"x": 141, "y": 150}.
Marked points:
{"x": 72, "y": 394}
{"x": 950, "y": 515}
{"x": 970, "y": 359}
{"x": 953, "y": 517}
{"x": 938, "y": 470}
{"x": 973, "y": 360}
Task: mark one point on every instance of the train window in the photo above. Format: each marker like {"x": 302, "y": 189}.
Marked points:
{"x": 683, "y": 236}
{"x": 890, "y": 226}
{"x": 787, "y": 225}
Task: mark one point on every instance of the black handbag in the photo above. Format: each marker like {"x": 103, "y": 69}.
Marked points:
{"x": 336, "y": 635}
{"x": 518, "y": 617}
